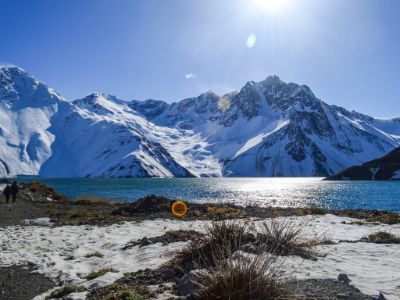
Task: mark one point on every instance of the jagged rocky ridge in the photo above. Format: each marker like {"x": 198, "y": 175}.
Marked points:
{"x": 386, "y": 167}
{"x": 268, "y": 128}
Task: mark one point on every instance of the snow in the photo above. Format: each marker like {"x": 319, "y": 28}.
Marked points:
{"x": 396, "y": 175}
{"x": 60, "y": 252}
{"x": 39, "y": 221}
{"x": 374, "y": 171}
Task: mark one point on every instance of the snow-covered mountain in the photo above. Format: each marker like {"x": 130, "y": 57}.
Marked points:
{"x": 268, "y": 128}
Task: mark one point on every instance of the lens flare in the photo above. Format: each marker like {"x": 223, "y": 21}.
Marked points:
{"x": 251, "y": 41}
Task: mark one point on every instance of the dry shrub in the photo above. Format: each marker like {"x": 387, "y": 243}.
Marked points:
{"x": 35, "y": 186}
{"x": 287, "y": 237}
{"x": 90, "y": 200}
{"x": 383, "y": 237}
{"x": 220, "y": 240}
{"x": 59, "y": 198}
{"x": 50, "y": 190}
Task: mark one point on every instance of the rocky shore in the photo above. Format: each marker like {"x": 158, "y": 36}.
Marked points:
{"x": 95, "y": 249}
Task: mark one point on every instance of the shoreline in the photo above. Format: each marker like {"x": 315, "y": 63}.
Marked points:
{"x": 108, "y": 228}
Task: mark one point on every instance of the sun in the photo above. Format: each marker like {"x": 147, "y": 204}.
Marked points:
{"x": 272, "y": 6}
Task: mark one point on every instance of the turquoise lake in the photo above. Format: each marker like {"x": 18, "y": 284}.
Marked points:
{"x": 284, "y": 192}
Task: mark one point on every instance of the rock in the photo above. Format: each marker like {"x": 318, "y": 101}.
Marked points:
{"x": 144, "y": 242}
{"x": 169, "y": 274}
{"x": 189, "y": 282}
{"x": 344, "y": 278}
{"x": 381, "y": 296}
{"x": 342, "y": 296}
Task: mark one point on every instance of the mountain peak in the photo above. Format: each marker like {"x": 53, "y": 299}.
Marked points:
{"x": 98, "y": 98}
{"x": 12, "y": 68}
{"x": 18, "y": 86}
{"x": 102, "y": 104}
{"x": 273, "y": 80}
{"x": 208, "y": 94}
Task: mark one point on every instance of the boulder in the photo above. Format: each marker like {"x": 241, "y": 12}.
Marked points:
{"x": 344, "y": 278}
{"x": 189, "y": 283}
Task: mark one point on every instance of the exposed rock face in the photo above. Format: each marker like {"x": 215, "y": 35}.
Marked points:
{"x": 386, "y": 167}
{"x": 267, "y": 128}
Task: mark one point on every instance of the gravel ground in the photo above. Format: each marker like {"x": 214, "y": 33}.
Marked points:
{"x": 17, "y": 283}
{"x": 325, "y": 289}
{"x": 16, "y": 213}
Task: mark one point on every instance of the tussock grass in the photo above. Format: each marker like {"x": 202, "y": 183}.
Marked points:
{"x": 100, "y": 272}
{"x": 94, "y": 254}
{"x": 90, "y": 200}
{"x": 226, "y": 272}
{"x": 65, "y": 290}
{"x": 220, "y": 240}
{"x": 287, "y": 237}
{"x": 254, "y": 277}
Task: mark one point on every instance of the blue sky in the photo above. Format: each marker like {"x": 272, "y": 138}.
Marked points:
{"x": 348, "y": 52}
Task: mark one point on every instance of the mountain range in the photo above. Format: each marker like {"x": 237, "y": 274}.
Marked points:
{"x": 267, "y": 128}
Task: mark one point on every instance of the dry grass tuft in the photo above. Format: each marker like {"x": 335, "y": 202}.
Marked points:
{"x": 95, "y": 254}
{"x": 100, "y": 272}
{"x": 253, "y": 277}
{"x": 286, "y": 237}
{"x": 90, "y": 200}
{"x": 220, "y": 240}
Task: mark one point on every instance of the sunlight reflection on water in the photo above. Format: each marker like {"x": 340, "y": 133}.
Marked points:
{"x": 284, "y": 192}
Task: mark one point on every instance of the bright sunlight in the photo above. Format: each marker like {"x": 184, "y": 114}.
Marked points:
{"x": 273, "y": 6}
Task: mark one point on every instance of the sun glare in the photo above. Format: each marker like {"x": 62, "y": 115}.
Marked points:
{"x": 272, "y": 6}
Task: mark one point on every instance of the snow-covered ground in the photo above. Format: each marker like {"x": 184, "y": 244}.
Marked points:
{"x": 60, "y": 252}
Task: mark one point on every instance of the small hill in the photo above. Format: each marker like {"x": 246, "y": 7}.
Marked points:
{"x": 386, "y": 167}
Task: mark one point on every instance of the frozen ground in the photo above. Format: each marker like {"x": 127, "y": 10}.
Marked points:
{"x": 60, "y": 252}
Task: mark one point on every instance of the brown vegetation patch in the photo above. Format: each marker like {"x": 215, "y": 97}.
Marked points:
{"x": 254, "y": 278}
{"x": 383, "y": 237}
{"x": 90, "y": 200}
{"x": 120, "y": 292}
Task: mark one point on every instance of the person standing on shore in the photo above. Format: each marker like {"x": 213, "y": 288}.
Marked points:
{"x": 7, "y": 193}
{"x": 14, "y": 191}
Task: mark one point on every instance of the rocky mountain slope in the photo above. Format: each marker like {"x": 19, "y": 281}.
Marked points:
{"x": 268, "y": 128}
{"x": 386, "y": 167}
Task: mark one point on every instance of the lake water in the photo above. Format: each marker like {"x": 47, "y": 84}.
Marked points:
{"x": 284, "y": 192}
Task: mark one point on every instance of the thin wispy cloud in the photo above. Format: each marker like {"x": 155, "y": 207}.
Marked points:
{"x": 190, "y": 76}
